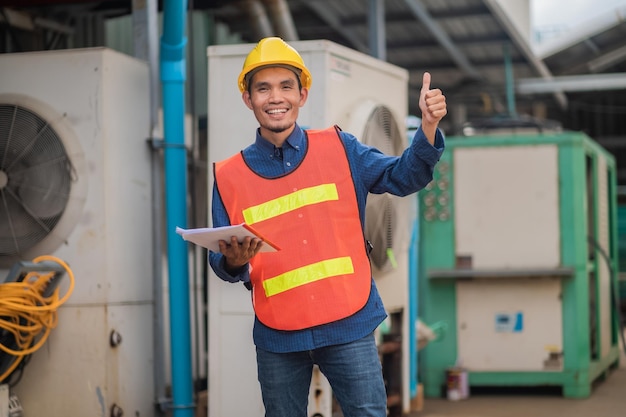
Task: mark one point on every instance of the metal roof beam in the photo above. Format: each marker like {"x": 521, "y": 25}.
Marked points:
{"x": 418, "y": 9}
{"x": 401, "y": 17}
{"x": 482, "y": 65}
{"x": 606, "y": 60}
{"x": 469, "y": 41}
{"x": 25, "y": 21}
{"x": 572, "y": 83}
{"x": 331, "y": 20}
{"x": 592, "y": 45}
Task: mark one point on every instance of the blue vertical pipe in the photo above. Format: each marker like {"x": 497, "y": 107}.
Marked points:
{"x": 173, "y": 74}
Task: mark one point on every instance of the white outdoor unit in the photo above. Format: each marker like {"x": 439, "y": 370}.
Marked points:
{"x": 73, "y": 130}
{"x": 362, "y": 95}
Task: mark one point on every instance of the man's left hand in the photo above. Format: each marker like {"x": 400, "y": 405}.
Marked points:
{"x": 433, "y": 106}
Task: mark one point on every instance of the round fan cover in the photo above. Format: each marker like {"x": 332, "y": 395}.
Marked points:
{"x": 36, "y": 177}
{"x": 382, "y": 211}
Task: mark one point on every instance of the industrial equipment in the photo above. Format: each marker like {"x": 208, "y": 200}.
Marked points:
{"x": 366, "y": 97}
{"x": 518, "y": 255}
{"x": 29, "y": 300}
{"x": 75, "y": 182}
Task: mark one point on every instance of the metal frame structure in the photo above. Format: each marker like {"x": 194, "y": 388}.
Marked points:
{"x": 587, "y": 212}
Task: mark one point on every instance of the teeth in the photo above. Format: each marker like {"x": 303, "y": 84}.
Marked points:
{"x": 276, "y": 111}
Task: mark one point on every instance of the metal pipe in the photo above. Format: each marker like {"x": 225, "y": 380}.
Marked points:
{"x": 259, "y": 20}
{"x": 459, "y": 58}
{"x": 145, "y": 47}
{"x": 376, "y": 24}
{"x": 510, "y": 82}
{"x": 173, "y": 74}
{"x": 524, "y": 46}
{"x": 281, "y": 17}
{"x": 572, "y": 83}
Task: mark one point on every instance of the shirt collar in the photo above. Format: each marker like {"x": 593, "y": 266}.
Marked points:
{"x": 295, "y": 140}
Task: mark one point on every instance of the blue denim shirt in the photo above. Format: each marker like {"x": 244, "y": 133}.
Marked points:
{"x": 372, "y": 172}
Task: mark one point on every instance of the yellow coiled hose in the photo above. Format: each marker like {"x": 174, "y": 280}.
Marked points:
{"x": 27, "y": 315}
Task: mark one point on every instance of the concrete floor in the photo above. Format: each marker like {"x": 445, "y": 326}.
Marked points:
{"x": 608, "y": 399}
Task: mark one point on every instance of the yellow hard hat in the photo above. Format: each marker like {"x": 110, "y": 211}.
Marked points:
{"x": 273, "y": 51}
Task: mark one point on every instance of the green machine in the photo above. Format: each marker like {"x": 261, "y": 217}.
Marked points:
{"x": 518, "y": 258}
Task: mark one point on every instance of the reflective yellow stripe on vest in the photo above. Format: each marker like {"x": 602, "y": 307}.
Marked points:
{"x": 307, "y": 274}
{"x": 289, "y": 202}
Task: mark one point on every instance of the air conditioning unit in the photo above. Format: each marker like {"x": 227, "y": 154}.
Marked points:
{"x": 75, "y": 183}
{"x": 364, "y": 96}
{"x": 521, "y": 269}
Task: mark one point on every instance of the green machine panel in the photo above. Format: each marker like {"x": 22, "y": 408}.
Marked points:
{"x": 518, "y": 259}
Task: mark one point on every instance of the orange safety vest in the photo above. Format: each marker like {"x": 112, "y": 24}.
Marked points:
{"x": 322, "y": 272}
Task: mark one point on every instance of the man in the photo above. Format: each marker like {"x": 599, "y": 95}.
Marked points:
{"x": 315, "y": 300}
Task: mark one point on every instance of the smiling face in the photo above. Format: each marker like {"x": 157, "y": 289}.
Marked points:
{"x": 275, "y": 98}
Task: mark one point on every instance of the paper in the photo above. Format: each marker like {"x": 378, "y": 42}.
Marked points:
{"x": 208, "y": 237}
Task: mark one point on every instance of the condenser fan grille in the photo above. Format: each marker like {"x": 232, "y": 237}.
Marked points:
{"x": 383, "y": 131}
{"x": 35, "y": 179}
{"x": 381, "y": 217}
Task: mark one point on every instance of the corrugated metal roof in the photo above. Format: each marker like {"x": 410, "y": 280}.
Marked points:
{"x": 469, "y": 66}
{"x": 596, "y": 46}
{"x": 465, "y": 44}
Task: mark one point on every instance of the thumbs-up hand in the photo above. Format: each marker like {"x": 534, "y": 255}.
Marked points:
{"x": 433, "y": 106}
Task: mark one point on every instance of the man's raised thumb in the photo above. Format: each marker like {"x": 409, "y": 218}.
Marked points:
{"x": 426, "y": 82}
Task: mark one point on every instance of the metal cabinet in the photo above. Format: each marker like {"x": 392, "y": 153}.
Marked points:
{"x": 518, "y": 255}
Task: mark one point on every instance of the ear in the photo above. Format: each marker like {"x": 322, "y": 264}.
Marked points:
{"x": 304, "y": 94}
{"x": 246, "y": 99}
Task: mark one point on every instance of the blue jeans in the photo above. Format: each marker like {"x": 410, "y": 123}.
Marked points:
{"x": 352, "y": 369}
